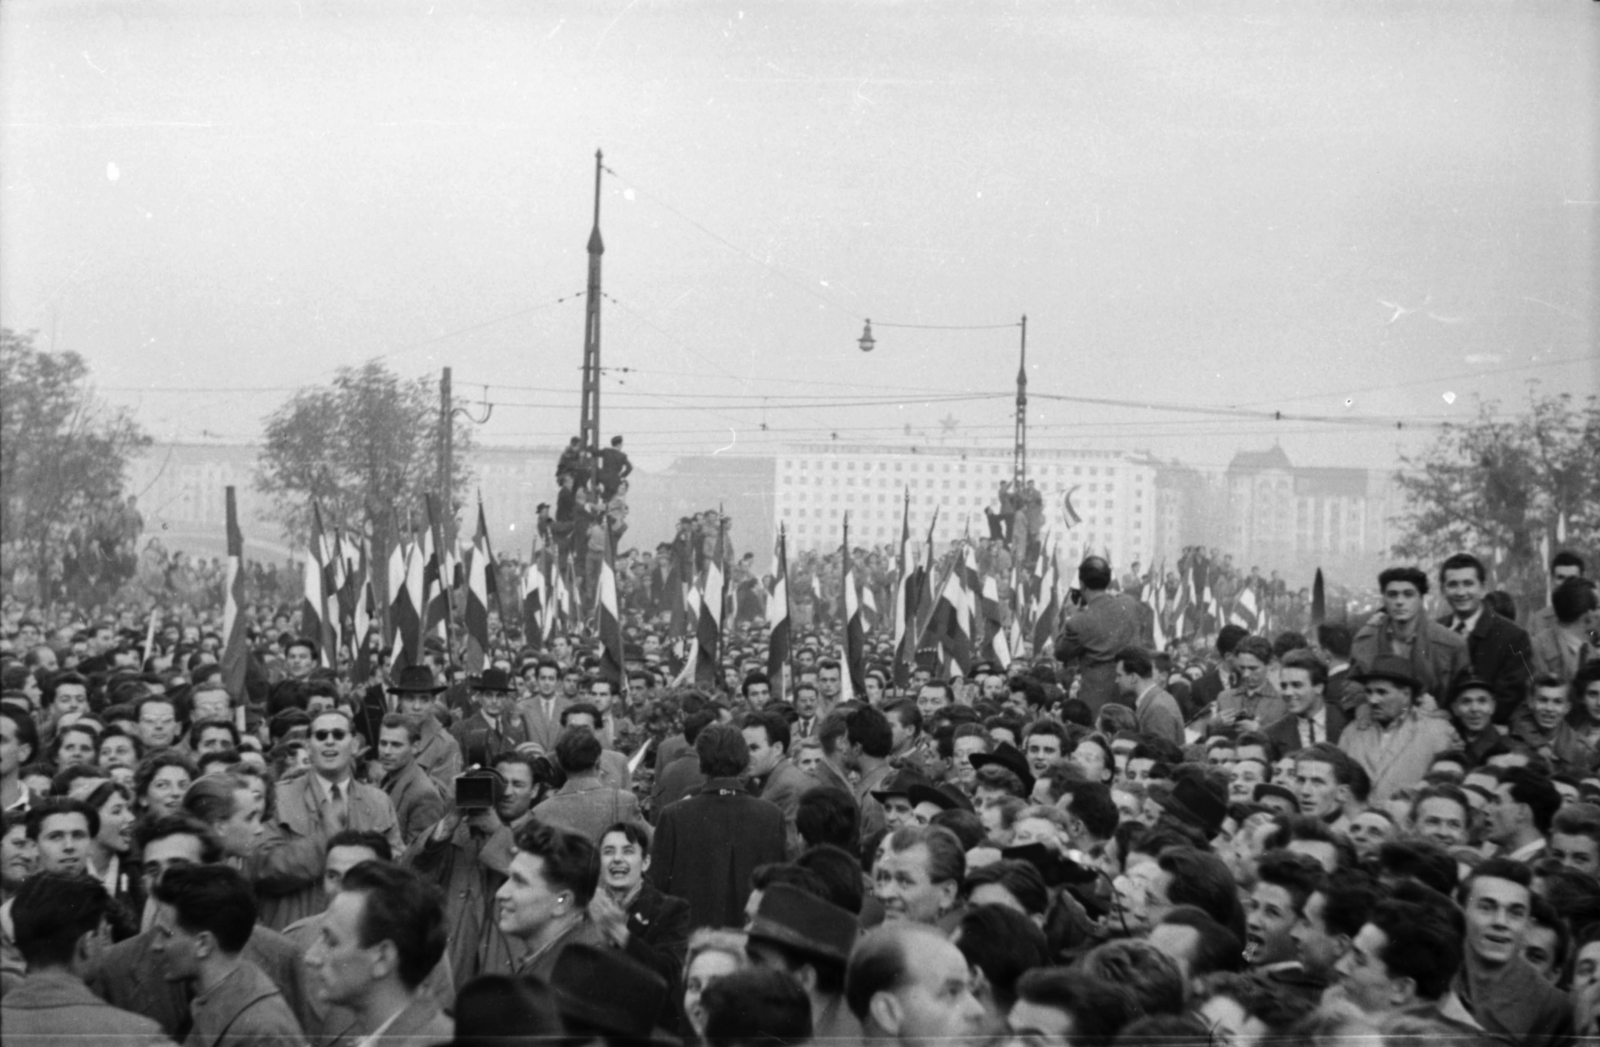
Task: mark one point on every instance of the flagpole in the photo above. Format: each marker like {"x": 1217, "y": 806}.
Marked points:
{"x": 783, "y": 554}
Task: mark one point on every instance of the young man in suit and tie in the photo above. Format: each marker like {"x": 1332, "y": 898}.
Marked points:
{"x": 1303, "y": 682}
{"x": 541, "y": 711}
{"x": 1500, "y": 650}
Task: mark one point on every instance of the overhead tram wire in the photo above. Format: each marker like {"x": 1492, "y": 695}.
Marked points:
{"x": 780, "y": 274}
{"x": 1458, "y": 377}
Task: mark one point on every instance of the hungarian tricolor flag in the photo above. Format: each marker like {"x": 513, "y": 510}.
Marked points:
{"x": 314, "y": 624}
{"x": 480, "y": 571}
{"x": 609, "y": 625}
{"x": 995, "y": 645}
{"x": 1049, "y": 608}
{"x": 949, "y": 624}
{"x": 405, "y": 610}
{"x": 236, "y": 646}
{"x": 534, "y": 588}
{"x": 708, "y": 630}
{"x": 904, "y": 608}
{"x": 780, "y": 640}
{"x": 854, "y": 653}
{"x": 435, "y": 579}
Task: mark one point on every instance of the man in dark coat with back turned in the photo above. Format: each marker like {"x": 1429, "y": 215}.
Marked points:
{"x": 708, "y": 843}
{"x": 1105, "y": 624}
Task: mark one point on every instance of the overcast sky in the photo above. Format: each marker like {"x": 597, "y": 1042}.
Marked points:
{"x": 1194, "y": 203}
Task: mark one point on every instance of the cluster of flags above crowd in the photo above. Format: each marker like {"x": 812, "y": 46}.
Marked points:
{"x": 946, "y": 612}
{"x": 339, "y": 608}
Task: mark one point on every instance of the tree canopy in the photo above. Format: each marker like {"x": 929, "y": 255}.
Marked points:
{"x": 1507, "y": 486}
{"x": 63, "y": 455}
{"x": 366, "y": 449}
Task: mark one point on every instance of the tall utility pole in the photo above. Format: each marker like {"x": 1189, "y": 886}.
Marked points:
{"x": 589, "y": 425}
{"x": 1019, "y": 451}
{"x": 447, "y": 428}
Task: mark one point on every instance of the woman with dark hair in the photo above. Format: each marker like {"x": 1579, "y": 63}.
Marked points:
{"x": 1584, "y": 716}
{"x": 161, "y": 781}
{"x": 111, "y": 857}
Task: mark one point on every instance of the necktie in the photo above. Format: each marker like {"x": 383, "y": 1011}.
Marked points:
{"x": 1461, "y": 626}
{"x": 1311, "y": 725}
{"x": 338, "y": 809}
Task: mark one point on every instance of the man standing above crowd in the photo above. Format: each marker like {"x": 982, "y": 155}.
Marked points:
{"x": 1499, "y": 649}
{"x": 1435, "y": 653}
{"x": 1105, "y": 624}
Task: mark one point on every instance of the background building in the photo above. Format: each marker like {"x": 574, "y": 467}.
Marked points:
{"x": 1114, "y": 493}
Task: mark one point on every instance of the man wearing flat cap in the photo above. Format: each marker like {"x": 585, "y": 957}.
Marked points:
{"x": 1396, "y": 748}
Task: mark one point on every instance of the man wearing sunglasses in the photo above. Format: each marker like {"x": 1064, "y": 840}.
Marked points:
{"x": 287, "y": 866}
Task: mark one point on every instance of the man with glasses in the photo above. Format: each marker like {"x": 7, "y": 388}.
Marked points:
{"x": 287, "y": 867}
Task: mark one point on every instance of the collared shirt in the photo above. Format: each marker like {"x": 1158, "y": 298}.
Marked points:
{"x": 24, "y": 799}
{"x": 324, "y": 790}
{"x": 371, "y": 1039}
{"x": 1313, "y": 728}
{"x": 1466, "y": 625}
{"x": 109, "y": 876}
{"x": 1528, "y": 851}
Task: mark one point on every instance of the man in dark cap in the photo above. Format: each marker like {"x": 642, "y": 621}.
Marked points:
{"x": 495, "y": 727}
{"x": 438, "y": 754}
{"x": 1399, "y": 743}
{"x": 810, "y": 939}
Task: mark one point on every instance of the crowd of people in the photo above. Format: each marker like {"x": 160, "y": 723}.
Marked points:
{"x": 1384, "y": 826}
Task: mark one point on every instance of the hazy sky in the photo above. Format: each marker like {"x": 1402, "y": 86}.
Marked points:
{"x": 1195, "y": 204}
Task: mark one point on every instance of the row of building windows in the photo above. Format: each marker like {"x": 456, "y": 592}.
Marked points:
{"x": 957, "y": 467}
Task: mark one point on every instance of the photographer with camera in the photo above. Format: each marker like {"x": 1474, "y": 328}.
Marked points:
{"x": 468, "y": 853}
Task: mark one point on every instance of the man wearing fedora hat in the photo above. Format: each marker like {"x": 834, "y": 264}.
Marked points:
{"x": 606, "y": 995}
{"x": 494, "y": 727}
{"x": 438, "y": 754}
{"x": 1399, "y": 743}
{"x": 809, "y": 938}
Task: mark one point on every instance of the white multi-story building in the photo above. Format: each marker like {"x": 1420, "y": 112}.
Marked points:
{"x": 1113, "y": 492}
